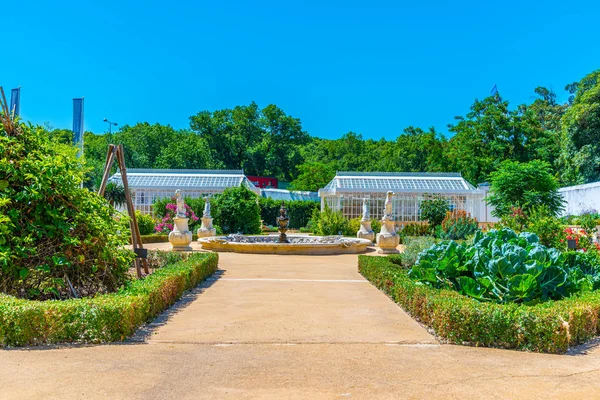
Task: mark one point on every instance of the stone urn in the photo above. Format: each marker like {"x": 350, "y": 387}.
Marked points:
{"x": 181, "y": 237}
{"x": 282, "y": 222}
{"x": 206, "y": 229}
{"x": 388, "y": 240}
{"x": 365, "y": 231}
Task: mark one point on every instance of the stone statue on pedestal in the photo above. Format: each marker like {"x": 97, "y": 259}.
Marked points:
{"x": 206, "y": 229}
{"x": 180, "y": 204}
{"x": 365, "y": 231}
{"x": 388, "y": 239}
{"x": 180, "y": 238}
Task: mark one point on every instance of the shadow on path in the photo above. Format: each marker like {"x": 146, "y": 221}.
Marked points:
{"x": 148, "y": 329}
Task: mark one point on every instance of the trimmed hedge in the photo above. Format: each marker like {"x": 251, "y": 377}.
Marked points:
{"x": 299, "y": 211}
{"x": 159, "y": 238}
{"x": 551, "y": 326}
{"x": 104, "y": 318}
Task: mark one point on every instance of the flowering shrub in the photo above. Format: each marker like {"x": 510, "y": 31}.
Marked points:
{"x": 582, "y": 240}
{"x": 165, "y": 225}
{"x": 458, "y": 224}
{"x": 515, "y": 220}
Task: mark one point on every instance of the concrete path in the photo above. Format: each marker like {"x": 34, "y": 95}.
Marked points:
{"x": 291, "y": 327}
{"x": 283, "y": 299}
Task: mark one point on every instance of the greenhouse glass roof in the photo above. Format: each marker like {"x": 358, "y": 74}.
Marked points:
{"x": 183, "y": 179}
{"x": 424, "y": 182}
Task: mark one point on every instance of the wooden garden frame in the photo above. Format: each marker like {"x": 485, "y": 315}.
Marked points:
{"x": 116, "y": 151}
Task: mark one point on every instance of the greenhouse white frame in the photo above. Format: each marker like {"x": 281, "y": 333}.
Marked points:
{"x": 148, "y": 185}
{"x": 347, "y": 190}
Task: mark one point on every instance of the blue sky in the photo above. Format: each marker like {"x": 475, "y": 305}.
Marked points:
{"x": 370, "y": 67}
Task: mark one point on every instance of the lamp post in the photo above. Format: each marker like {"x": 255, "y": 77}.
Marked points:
{"x": 110, "y": 125}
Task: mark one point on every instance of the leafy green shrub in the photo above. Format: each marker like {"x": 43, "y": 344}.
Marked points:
{"x": 413, "y": 246}
{"x": 549, "y": 228}
{"x": 57, "y": 240}
{"x": 104, "y": 318}
{"x": 145, "y": 223}
{"x": 546, "y": 327}
{"x": 524, "y": 186}
{"x": 415, "y": 229}
{"x": 458, "y": 225}
{"x": 589, "y": 223}
{"x": 503, "y": 267}
{"x": 330, "y": 222}
{"x": 433, "y": 210}
{"x": 237, "y": 210}
{"x": 299, "y": 211}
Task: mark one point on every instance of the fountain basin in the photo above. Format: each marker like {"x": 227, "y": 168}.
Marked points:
{"x": 307, "y": 245}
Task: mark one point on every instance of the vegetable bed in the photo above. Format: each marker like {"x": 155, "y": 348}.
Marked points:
{"x": 104, "y": 318}
{"x": 551, "y": 326}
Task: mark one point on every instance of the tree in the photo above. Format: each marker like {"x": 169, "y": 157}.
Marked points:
{"x": 524, "y": 186}
{"x": 580, "y": 156}
{"x": 262, "y": 142}
{"x": 489, "y": 134}
{"x": 313, "y": 176}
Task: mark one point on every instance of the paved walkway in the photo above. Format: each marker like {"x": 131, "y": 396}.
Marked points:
{"x": 291, "y": 327}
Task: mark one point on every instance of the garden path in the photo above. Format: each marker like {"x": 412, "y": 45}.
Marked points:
{"x": 291, "y": 327}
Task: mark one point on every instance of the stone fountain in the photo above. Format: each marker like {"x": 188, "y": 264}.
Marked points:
{"x": 284, "y": 244}
{"x": 181, "y": 237}
{"x": 206, "y": 229}
{"x": 388, "y": 239}
{"x": 365, "y": 231}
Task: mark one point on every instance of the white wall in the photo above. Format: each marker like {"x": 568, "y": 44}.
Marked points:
{"x": 581, "y": 198}
{"x": 485, "y": 208}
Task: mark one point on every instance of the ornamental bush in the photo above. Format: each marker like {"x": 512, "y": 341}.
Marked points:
{"x": 330, "y": 223}
{"x": 458, "y": 225}
{"x": 57, "y": 240}
{"x": 145, "y": 223}
{"x": 433, "y": 210}
{"x": 237, "y": 211}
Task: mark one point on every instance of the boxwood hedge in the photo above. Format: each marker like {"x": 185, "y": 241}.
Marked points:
{"x": 552, "y": 326}
{"x": 104, "y": 318}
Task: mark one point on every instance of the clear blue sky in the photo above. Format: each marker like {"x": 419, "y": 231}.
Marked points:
{"x": 370, "y": 67}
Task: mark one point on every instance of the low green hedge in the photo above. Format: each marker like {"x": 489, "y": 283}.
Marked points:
{"x": 551, "y": 326}
{"x": 104, "y": 318}
{"x": 159, "y": 238}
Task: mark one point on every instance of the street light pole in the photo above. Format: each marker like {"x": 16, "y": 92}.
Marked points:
{"x": 110, "y": 125}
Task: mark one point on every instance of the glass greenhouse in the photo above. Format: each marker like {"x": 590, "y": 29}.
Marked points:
{"x": 147, "y": 185}
{"x": 347, "y": 190}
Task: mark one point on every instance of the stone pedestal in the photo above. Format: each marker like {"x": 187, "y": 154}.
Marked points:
{"x": 388, "y": 239}
{"x": 207, "y": 228}
{"x": 180, "y": 238}
{"x": 365, "y": 231}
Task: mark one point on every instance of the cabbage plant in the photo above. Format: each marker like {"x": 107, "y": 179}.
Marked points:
{"x": 502, "y": 266}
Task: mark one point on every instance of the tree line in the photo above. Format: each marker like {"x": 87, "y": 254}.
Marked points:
{"x": 269, "y": 142}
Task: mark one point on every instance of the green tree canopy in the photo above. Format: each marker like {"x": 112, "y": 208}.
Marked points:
{"x": 313, "y": 176}
{"x": 580, "y": 158}
{"x": 525, "y": 186}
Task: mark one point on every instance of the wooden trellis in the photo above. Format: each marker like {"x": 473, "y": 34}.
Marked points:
{"x": 116, "y": 151}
